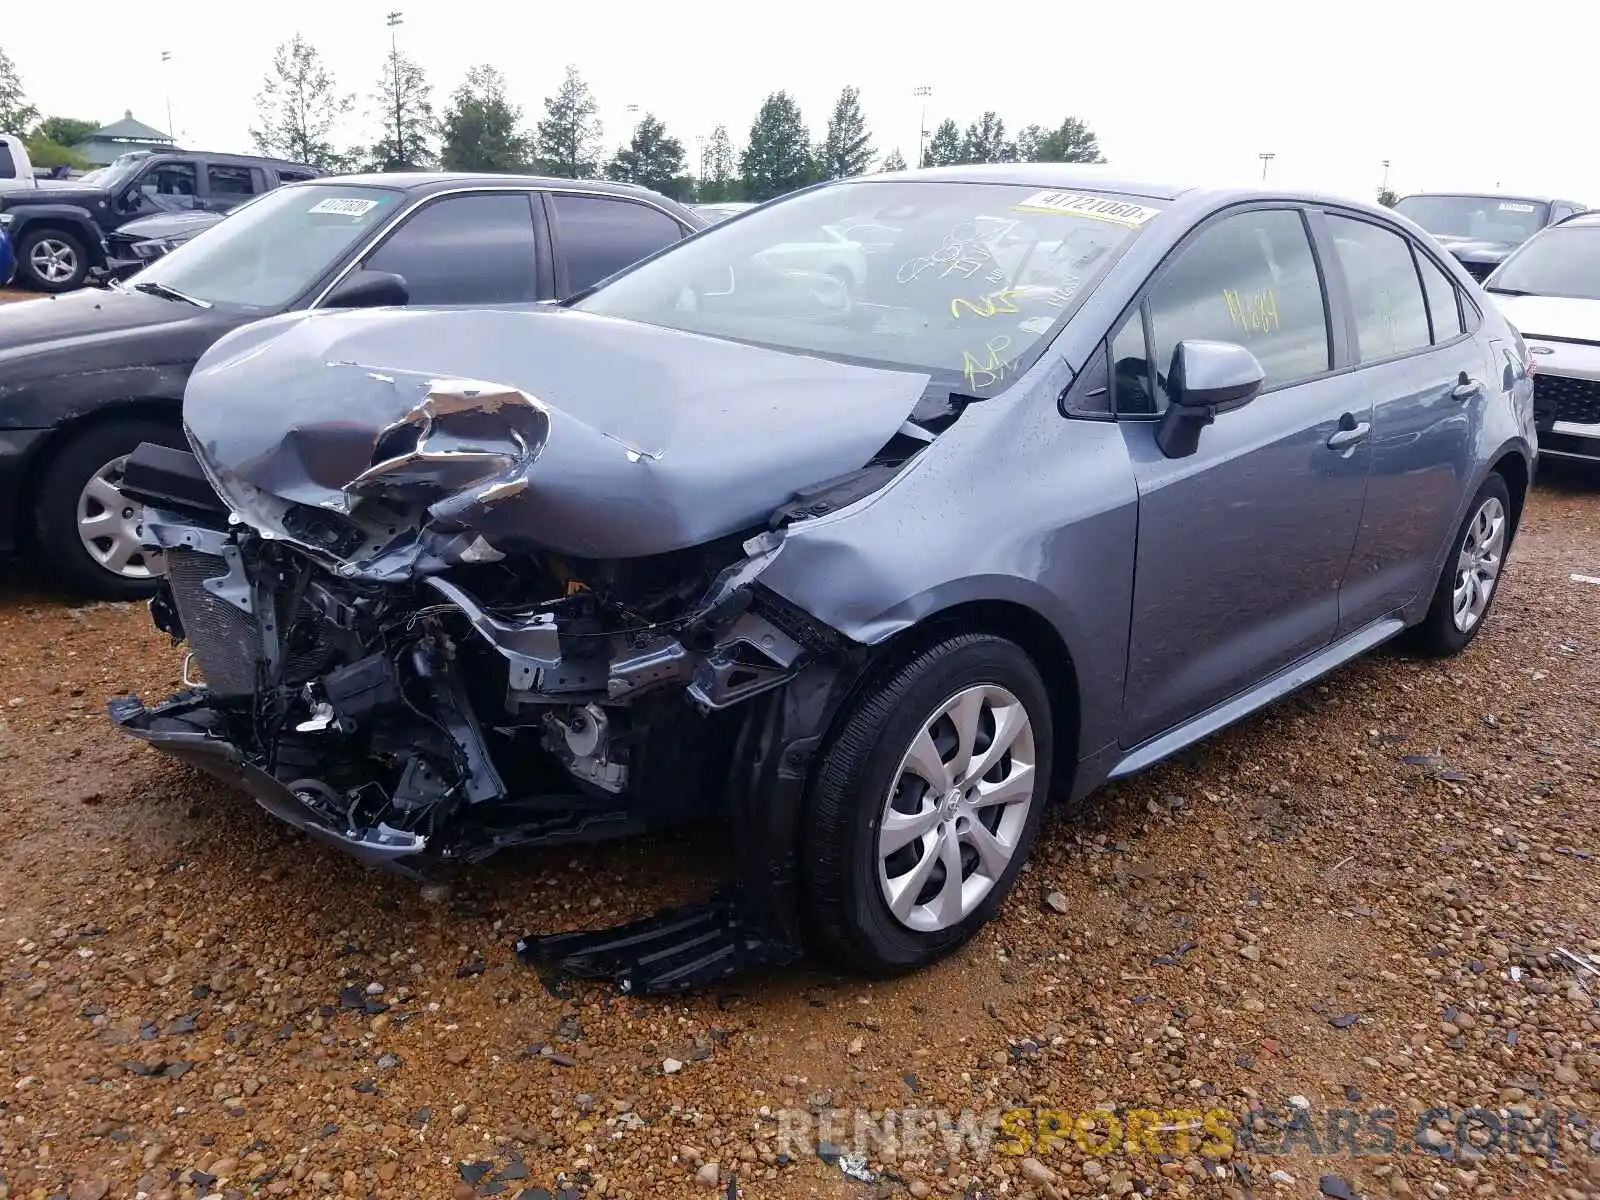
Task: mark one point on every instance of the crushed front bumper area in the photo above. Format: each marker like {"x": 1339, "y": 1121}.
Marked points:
{"x": 186, "y": 727}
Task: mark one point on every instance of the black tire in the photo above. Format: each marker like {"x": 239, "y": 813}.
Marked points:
{"x": 849, "y": 919}
{"x": 66, "y": 473}
{"x": 28, "y": 276}
{"x": 1438, "y": 635}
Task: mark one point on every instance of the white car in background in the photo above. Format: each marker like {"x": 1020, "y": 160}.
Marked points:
{"x": 1549, "y": 288}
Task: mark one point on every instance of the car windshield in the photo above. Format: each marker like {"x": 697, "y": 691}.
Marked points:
{"x": 961, "y": 280}
{"x": 1563, "y": 261}
{"x": 272, "y": 249}
{"x": 1482, "y": 218}
{"x": 122, "y": 169}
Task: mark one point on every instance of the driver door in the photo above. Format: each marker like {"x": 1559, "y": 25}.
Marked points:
{"x": 1242, "y": 546}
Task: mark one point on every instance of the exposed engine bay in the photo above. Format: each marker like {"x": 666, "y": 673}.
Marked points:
{"x": 528, "y": 700}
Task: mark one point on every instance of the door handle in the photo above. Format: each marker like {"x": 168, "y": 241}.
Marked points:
{"x": 1466, "y": 388}
{"x": 1350, "y": 433}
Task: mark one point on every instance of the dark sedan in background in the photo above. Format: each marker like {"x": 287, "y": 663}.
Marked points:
{"x": 1482, "y": 230}
{"x": 87, "y": 376}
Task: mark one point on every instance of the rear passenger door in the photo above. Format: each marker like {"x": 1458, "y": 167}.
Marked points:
{"x": 228, "y": 185}
{"x": 1411, "y": 334}
{"x": 468, "y": 248}
{"x": 596, "y": 236}
{"x": 1241, "y": 545}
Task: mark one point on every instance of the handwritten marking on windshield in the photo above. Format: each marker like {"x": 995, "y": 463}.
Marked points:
{"x": 961, "y": 252}
{"x": 987, "y": 305}
{"x": 992, "y": 368}
{"x": 1253, "y": 312}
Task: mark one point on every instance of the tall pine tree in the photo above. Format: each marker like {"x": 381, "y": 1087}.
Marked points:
{"x": 403, "y": 106}
{"x": 653, "y": 158}
{"x": 847, "y": 148}
{"x": 481, "y": 129}
{"x": 717, "y": 178}
{"x": 778, "y": 158}
{"x": 567, "y": 141}
{"x": 944, "y": 148}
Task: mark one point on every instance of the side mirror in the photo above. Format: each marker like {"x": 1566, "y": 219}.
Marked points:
{"x": 369, "y": 289}
{"x": 1206, "y": 378}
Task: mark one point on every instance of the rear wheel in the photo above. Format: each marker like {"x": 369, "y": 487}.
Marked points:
{"x": 1470, "y": 580}
{"x": 87, "y": 532}
{"x": 926, "y": 804}
{"x": 51, "y": 260}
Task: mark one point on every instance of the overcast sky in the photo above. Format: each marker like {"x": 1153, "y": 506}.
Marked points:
{"x": 1455, "y": 93}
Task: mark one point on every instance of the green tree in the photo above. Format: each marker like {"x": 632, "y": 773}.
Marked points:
{"x": 16, "y": 114}
{"x": 985, "y": 140}
{"x": 1071, "y": 141}
{"x": 893, "y": 161}
{"x": 299, "y": 104}
{"x": 847, "y": 148}
{"x": 1388, "y": 197}
{"x": 778, "y": 158}
{"x": 405, "y": 108}
{"x": 944, "y": 148}
{"x": 567, "y": 142}
{"x": 653, "y": 158}
{"x": 47, "y": 152}
{"x": 481, "y": 129}
{"x": 65, "y": 131}
{"x": 717, "y": 179}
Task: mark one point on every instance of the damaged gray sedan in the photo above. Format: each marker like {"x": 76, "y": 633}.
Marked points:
{"x": 1062, "y": 474}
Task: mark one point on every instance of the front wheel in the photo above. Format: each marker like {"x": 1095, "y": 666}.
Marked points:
{"x": 51, "y": 260}
{"x": 1471, "y": 577}
{"x": 926, "y": 805}
{"x": 87, "y": 531}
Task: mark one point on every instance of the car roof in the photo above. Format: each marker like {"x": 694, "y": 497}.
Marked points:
{"x": 224, "y": 156}
{"x": 1529, "y": 197}
{"x": 1586, "y": 220}
{"x": 1099, "y": 177}
{"x": 427, "y": 183}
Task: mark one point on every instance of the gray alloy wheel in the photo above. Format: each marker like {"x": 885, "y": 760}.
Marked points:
{"x": 1478, "y": 564}
{"x": 53, "y": 260}
{"x": 957, "y": 808}
{"x": 109, "y": 526}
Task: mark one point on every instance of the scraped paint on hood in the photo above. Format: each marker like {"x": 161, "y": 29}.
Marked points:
{"x": 544, "y": 428}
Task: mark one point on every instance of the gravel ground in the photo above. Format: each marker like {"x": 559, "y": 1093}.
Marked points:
{"x": 1354, "y": 901}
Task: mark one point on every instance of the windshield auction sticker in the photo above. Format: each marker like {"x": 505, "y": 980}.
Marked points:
{"x": 344, "y": 206}
{"x": 1079, "y": 204}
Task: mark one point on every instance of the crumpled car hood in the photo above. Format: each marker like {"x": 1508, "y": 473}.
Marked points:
{"x": 531, "y": 428}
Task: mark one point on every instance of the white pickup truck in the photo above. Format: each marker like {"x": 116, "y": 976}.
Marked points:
{"x": 17, "y": 170}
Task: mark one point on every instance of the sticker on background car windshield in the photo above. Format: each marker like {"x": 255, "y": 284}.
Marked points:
{"x": 344, "y": 206}
{"x": 1510, "y": 206}
{"x": 1078, "y": 204}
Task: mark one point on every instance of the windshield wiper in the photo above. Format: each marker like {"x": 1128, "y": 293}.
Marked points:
{"x": 1500, "y": 291}
{"x": 151, "y": 288}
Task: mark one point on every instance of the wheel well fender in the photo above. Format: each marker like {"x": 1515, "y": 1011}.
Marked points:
{"x": 1512, "y": 466}
{"x": 64, "y": 433}
{"x": 1018, "y": 623}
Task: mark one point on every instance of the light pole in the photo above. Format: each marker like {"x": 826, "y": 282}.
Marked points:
{"x": 394, "y": 21}
{"x": 1384, "y": 186}
{"x": 922, "y": 93}
{"x": 700, "y": 144}
{"x": 166, "y": 82}
{"x": 1266, "y": 157}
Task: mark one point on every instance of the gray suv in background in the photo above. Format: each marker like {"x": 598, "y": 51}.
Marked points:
{"x": 1078, "y": 471}
{"x": 1481, "y": 230}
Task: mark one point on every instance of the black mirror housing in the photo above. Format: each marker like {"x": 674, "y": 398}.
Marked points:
{"x": 1206, "y": 378}
{"x": 369, "y": 289}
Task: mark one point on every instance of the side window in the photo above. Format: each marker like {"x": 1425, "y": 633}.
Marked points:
{"x": 8, "y": 166}
{"x": 229, "y": 184}
{"x": 600, "y": 235}
{"x": 170, "y": 185}
{"x": 1250, "y": 279}
{"x": 1130, "y": 369}
{"x": 472, "y": 249}
{"x": 1444, "y": 301}
{"x": 1391, "y": 317}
